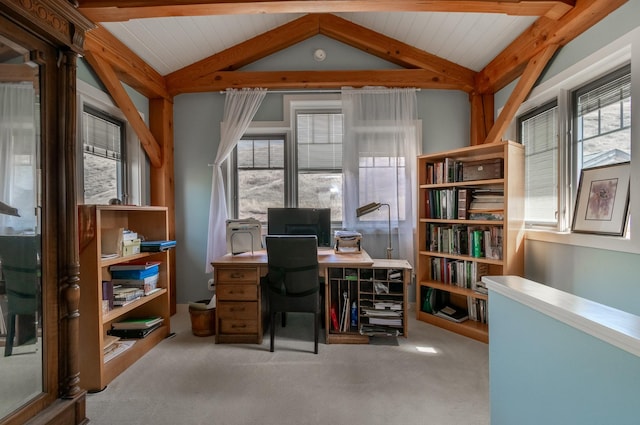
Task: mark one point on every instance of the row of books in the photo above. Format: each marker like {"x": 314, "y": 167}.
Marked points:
{"x": 438, "y": 303}
{"x": 460, "y": 239}
{"x": 450, "y": 170}
{"x": 446, "y": 171}
{"x": 460, "y": 273}
{"x": 464, "y": 203}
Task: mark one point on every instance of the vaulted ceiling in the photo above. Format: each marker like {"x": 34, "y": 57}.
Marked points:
{"x": 167, "y": 47}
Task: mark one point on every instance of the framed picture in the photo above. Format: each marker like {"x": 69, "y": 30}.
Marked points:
{"x": 603, "y": 200}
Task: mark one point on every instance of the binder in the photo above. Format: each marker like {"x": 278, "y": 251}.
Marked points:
{"x": 133, "y": 333}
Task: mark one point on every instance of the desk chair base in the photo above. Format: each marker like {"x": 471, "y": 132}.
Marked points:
{"x": 272, "y": 325}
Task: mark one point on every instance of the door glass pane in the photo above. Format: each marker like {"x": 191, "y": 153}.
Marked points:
{"x": 20, "y": 274}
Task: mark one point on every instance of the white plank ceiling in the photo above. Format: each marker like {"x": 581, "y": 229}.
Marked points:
{"x": 468, "y": 39}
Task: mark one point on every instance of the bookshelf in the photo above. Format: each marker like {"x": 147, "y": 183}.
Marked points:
{"x": 470, "y": 224}
{"x": 380, "y": 294}
{"x": 95, "y": 222}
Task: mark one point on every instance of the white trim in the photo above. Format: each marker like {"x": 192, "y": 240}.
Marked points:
{"x": 136, "y": 159}
{"x": 616, "y": 327}
{"x": 621, "y": 51}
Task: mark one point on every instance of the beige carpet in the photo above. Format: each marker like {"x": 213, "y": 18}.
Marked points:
{"x": 432, "y": 377}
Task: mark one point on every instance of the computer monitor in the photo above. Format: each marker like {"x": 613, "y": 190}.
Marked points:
{"x": 301, "y": 221}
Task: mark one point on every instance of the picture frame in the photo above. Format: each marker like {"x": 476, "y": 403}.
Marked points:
{"x": 602, "y": 204}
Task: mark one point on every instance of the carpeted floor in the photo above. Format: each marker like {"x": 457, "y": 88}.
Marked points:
{"x": 432, "y": 377}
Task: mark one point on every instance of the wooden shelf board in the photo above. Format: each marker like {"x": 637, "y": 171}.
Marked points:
{"x": 120, "y": 311}
{"x": 462, "y": 257}
{"x": 347, "y": 338}
{"x": 468, "y": 328}
{"x": 454, "y": 289}
{"x": 118, "y": 364}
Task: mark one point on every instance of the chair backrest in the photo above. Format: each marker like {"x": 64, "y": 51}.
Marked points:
{"x": 21, "y": 271}
{"x": 293, "y": 264}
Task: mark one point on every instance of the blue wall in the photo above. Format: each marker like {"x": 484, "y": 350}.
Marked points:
{"x": 445, "y": 125}
{"x": 543, "y": 371}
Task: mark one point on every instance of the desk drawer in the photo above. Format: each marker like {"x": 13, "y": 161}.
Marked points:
{"x": 237, "y": 292}
{"x": 238, "y": 310}
{"x": 236, "y": 327}
{"x": 237, "y": 275}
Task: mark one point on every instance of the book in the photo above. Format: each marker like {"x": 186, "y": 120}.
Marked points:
{"x": 454, "y": 314}
{"x": 147, "y": 284}
{"x": 135, "y": 265}
{"x": 334, "y": 319}
{"x": 137, "y": 323}
{"x": 156, "y": 246}
{"x": 123, "y": 295}
{"x": 133, "y": 333}
{"x": 117, "y": 348}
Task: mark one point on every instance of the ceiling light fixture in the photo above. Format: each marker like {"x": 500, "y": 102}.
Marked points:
{"x": 319, "y": 55}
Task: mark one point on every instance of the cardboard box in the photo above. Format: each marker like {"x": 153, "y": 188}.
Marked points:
{"x": 130, "y": 247}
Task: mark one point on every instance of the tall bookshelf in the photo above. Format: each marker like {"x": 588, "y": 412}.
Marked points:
{"x": 95, "y": 222}
{"x": 461, "y": 236}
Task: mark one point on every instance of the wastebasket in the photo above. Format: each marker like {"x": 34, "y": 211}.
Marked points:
{"x": 203, "y": 319}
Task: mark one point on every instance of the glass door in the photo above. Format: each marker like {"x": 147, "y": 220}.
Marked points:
{"x": 21, "y": 335}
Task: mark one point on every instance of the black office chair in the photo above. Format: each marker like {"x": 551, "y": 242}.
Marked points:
{"x": 293, "y": 284}
{"x": 21, "y": 271}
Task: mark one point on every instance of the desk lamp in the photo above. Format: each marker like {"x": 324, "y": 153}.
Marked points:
{"x": 375, "y": 206}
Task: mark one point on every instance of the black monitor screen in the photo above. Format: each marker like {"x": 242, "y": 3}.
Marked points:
{"x": 301, "y": 221}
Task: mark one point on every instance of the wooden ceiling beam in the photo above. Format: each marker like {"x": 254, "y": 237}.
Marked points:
{"x": 392, "y": 50}
{"x": 111, "y": 81}
{"x": 532, "y": 72}
{"x": 419, "y": 78}
{"x": 510, "y": 63}
{"x": 123, "y": 10}
{"x": 244, "y": 53}
{"x": 128, "y": 66}
{"x": 208, "y": 73}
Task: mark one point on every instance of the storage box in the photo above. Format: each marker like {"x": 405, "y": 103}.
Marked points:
{"x": 485, "y": 169}
{"x": 134, "y": 274}
{"x": 130, "y": 247}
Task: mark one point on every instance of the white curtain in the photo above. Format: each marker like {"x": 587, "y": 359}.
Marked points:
{"x": 18, "y": 161}
{"x": 381, "y": 144}
{"x": 240, "y": 106}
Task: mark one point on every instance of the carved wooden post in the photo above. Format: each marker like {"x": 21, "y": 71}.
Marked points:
{"x": 70, "y": 277}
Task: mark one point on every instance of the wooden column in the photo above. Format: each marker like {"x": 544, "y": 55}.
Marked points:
{"x": 68, "y": 236}
{"x": 481, "y": 117}
{"x": 162, "y": 177}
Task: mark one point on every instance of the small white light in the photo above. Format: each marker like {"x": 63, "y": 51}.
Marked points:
{"x": 319, "y": 55}
{"x": 429, "y": 350}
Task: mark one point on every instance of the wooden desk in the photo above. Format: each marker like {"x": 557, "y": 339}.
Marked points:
{"x": 241, "y": 309}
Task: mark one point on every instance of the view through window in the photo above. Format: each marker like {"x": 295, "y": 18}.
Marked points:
{"x": 274, "y": 172}
{"x": 103, "y": 155}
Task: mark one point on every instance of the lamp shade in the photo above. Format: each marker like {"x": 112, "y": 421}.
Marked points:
{"x": 368, "y": 208}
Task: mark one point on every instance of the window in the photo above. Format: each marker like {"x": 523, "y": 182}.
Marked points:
{"x": 273, "y": 171}
{"x": 111, "y": 162}
{"x": 103, "y": 151}
{"x": 260, "y": 176}
{"x": 598, "y": 113}
{"x": 383, "y": 169}
{"x": 538, "y": 132}
{"x": 319, "y": 147}
{"x": 602, "y": 111}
